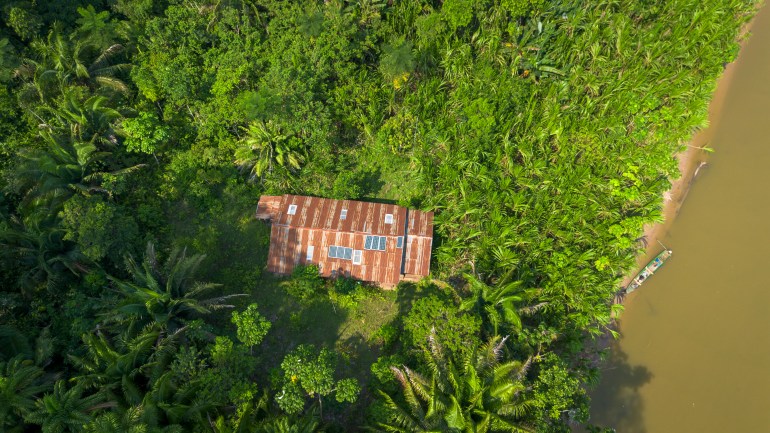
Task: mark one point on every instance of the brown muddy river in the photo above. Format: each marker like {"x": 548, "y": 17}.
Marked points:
{"x": 695, "y": 349}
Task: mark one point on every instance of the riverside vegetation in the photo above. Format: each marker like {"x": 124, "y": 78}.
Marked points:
{"x": 136, "y": 137}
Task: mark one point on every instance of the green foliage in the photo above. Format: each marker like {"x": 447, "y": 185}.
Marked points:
{"x": 520, "y": 8}
{"x": 8, "y": 62}
{"x": 348, "y": 185}
{"x": 349, "y": 293}
{"x": 386, "y": 335}
{"x": 63, "y": 410}
{"x": 305, "y": 283}
{"x": 252, "y": 326}
{"x": 145, "y": 133}
{"x": 24, "y": 22}
{"x": 397, "y": 61}
{"x": 228, "y": 378}
{"x": 432, "y": 318}
{"x": 307, "y": 371}
{"x": 558, "y": 395}
{"x": 347, "y": 390}
{"x": 383, "y": 371}
{"x": 478, "y": 394}
{"x": 101, "y": 228}
{"x": 137, "y": 11}
{"x": 458, "y": 13}
{"x": 21, "y": 383}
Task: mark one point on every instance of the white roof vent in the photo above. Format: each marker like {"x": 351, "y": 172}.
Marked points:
{"x": 388, "y": 218}
{"x": 292, "y": 209}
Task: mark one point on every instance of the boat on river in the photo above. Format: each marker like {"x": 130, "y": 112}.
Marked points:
{"x": 648, "y": 270}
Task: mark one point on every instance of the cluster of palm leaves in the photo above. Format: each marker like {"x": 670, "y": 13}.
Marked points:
{"x": 126, "y": 365}
{"x": 265, "y": 147}
{"x": 483, "y": 394}
{"x": 167, "y": 295}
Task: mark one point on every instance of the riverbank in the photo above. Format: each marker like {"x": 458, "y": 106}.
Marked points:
{"x": 672, "y": 370}
{"x": 691, "y": 163}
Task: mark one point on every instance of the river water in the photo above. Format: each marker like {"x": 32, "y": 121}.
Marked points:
{"x": 694, "y": 355}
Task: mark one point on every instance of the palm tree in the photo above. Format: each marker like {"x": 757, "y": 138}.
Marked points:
{"x": 117, "y": 371}
{"x": 40, "y": 253}
{"x": 112, "y": 422}
{"x": 500, "y": 304}
{"x": 133, "y": 372}
{"x": 89, "y": 119}
{"x": 284, "y": 424}
{"x": 60, "y": 63}
{"x": 484, "y": 395}
{"x": 264, "y": 147}
{"x": 272, "y": 422}
{"x": 171, "y": 403}
{"x": 167, "y": 295}
{"x": 95, "y": 26}
{"x": 20, "y": 383}
{"x": 65, "y": 167}
{"x": 64, "y": 410}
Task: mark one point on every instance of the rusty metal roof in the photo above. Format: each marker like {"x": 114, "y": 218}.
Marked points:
{"x": 303, "y": 229}
{"x": 269, "y": 206}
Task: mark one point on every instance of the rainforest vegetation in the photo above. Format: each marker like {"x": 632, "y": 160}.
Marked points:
{"x": 136, "y": 137}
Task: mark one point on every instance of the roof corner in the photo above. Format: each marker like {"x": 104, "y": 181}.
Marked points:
{"x": 269, "y": 207}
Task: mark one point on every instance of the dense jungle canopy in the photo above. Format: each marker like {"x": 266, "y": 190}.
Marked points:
{"x": 136, "y": 137}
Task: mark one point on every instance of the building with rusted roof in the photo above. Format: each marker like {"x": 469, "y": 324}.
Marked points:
{"x": 381, "y": 243}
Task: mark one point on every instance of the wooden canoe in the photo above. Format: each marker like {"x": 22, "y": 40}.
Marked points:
{"x": 648, "y": 270}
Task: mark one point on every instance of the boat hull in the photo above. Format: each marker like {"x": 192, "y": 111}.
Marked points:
{"x": 648, "y": 270}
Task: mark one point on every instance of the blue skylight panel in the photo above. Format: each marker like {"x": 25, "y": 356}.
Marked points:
{"x": 382, "y": 243}
{"x": 348, "y": 252}
{"x": 368, "y": 243}
{"x": 333, "y": 252}
{"x": 400, "y": 242}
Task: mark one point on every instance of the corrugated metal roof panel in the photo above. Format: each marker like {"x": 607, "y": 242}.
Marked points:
{"x": 269, "y": 207}
{"x": 418, "y": 255}
{"x": 317, "y": 223}
{"x": 322, "y": 213}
